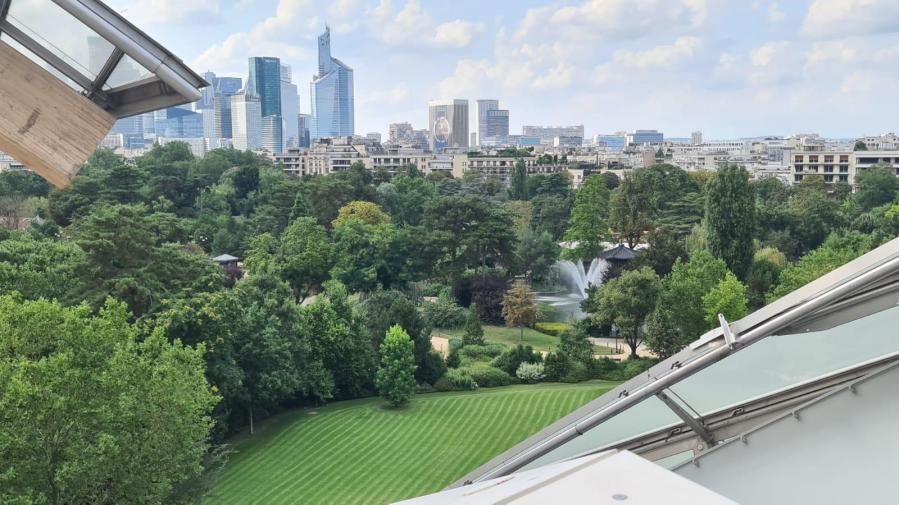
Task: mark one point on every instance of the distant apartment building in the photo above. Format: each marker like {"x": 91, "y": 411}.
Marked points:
{"x": 643, "y": 137}
{"x": 615, "y": 142}
{"x": 547, "y": 134}
{"x": 696, "y": 138}
{"x": 373, "y": 137}
{"x": 398, "y": 133}
{"x": 448, "y": 120}
{"x": 568, "y": 141}
{"x": 484, "y": 107}
{"x": 838, "y": 165}
{"x": 394, "y": 160}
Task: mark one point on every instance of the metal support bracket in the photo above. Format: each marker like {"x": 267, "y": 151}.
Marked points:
{"x": 4, "y": 9}
{"x": 729, "y": 337}
{"x": 694, "y": 423}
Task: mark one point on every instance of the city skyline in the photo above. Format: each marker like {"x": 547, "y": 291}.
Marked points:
{"x": 730, "y": 69}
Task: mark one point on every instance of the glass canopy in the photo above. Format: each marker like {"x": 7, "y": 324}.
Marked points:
{"x": 100, "y": 54}
{"x": 835, "y": 329}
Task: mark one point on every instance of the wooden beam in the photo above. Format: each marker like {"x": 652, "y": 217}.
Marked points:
{"x": 44, "y": 124}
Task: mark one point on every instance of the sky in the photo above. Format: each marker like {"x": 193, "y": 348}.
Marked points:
{"x": 730, "y": 68}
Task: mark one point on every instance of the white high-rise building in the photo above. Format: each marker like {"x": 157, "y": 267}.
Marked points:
{"x": 246, "y": 122}
{"x": 290, "y": 108}
{"x": 331, "y": 94}
{"x": 484, "y": 107}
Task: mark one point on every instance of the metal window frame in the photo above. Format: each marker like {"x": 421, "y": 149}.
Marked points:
{"x": 863, "y": 286}
{"x": 174, "y": 83}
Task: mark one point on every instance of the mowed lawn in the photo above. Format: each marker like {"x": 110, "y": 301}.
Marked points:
{"x": 359, "y": 452}
{"x": 512, "y": 337}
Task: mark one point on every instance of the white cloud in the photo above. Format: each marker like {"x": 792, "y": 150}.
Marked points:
{"x": 660, "y": 58}
{"x": 841, "y": 18}
{"x": 393, "y": 96}
{"x": 612, "y": 19}
{"x": 178, "y": 12}
{"x": 775, "y": 15}
{"x": 413, "y": 25}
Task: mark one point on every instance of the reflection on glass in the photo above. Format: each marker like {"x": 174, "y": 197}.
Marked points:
{"x": 41, "y": 63}
{"x": 646, "y": 416}
{"x": 781, "y": 361}
{"x": 61, "y": 34}
{"x": 126, "y": 72}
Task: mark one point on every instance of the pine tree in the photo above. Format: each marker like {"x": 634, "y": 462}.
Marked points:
{"x": 519, "y": 308}
{"x": 396, "y": 377}
{"x": 518, "y": 183}
{"x": 474, "y": 334}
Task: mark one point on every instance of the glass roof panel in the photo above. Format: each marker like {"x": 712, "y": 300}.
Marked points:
{"x": 62, "y": 34}
{"x": 781, "y": 361}
{"x": 127, "y": 72}
{"x": 648, "y": 415}
{"x": 40, "y": 62}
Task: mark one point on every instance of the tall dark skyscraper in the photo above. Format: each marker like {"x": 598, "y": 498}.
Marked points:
{"x": 265, "y": 82}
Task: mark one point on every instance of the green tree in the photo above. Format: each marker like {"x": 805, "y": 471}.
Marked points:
{"x": 536, "y": 253}
{"x": 519, "y": 308}
{"x": 875, "y": 186}
{"x": 306, "y": 254}
{"x": 367, "y": 256}
{"x": 396, "y": 377}
{"x": 44, "y": 268}
{"x": 837, "y": 250}
{"x": 626, "y": 302}
{"x": 727, "y": 298}
{"x": 629, "y": 216}
{"x": 588, "y": 227}
{"x": 90, "y": 415}
{"x": 473, "y": 333}
{"x": 550, "y": 214}
{"x": 730, "y": 218}
{"x": 860, "y": 146}
{"x": 367, "y": 212}
{"x": 518, "y": 182}
{"x": 678, "y": 318}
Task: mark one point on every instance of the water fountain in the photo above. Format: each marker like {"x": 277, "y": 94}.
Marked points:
{"x": 577, "y": 280}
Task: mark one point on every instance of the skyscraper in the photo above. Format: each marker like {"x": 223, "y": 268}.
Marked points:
{"x": 484, "y": 106}
{"x": 246, "y": 122}
{"x": 304, "y": 122}
{"x": 331, "y": 94}
{"x": 448, "y": 122}
{"x": 290, "y": 108}
{"x": 225, "y": 88}
{"x": 265, "y": 82}
{"x": 496, "y": 126}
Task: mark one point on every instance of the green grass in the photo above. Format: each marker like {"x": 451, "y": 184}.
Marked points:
{"x": 359, "y": 452}
{"x": 512, "y": 336}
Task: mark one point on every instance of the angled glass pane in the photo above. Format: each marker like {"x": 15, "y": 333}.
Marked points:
{"x": 127, "y": 72}
{"x": 40, "y": 62}
{"x": 783, "y": 361}
{"x": 61, "y": 34}
{"x": 648, "y": 415}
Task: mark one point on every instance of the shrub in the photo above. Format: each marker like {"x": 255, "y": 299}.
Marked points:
{"x": 455, "y": 344}
{"x": 577, "y": 372}
{"x": 553, "y": 329}
{"x": 453, "y": 361}
{"x": 460, "y": 380}
{"x": 444, "y": 312}
{"x": 510, "y": 360}
{"x": 620, "y": 371}
{"x": 556, "y": 366}
{"x": 482, "y": 351}
{"x": 474, "y": 333}
{"x": 530, "y": 373}
{"x": 432, "y": 367}
{"x": 488, "y": 377}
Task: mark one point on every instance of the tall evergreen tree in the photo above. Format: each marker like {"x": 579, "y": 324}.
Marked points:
{"x": 396, "y": 377}
{"x": 518, "y": 189}
{"x": 730, "y": 218}
{"x": 473, "y": 333}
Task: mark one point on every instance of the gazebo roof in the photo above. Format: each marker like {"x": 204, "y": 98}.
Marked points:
{"x": 620, "y": 252}
{"x": 225, "y": 258}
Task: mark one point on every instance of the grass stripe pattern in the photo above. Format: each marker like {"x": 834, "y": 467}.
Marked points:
{"x": 360, "y": 452}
